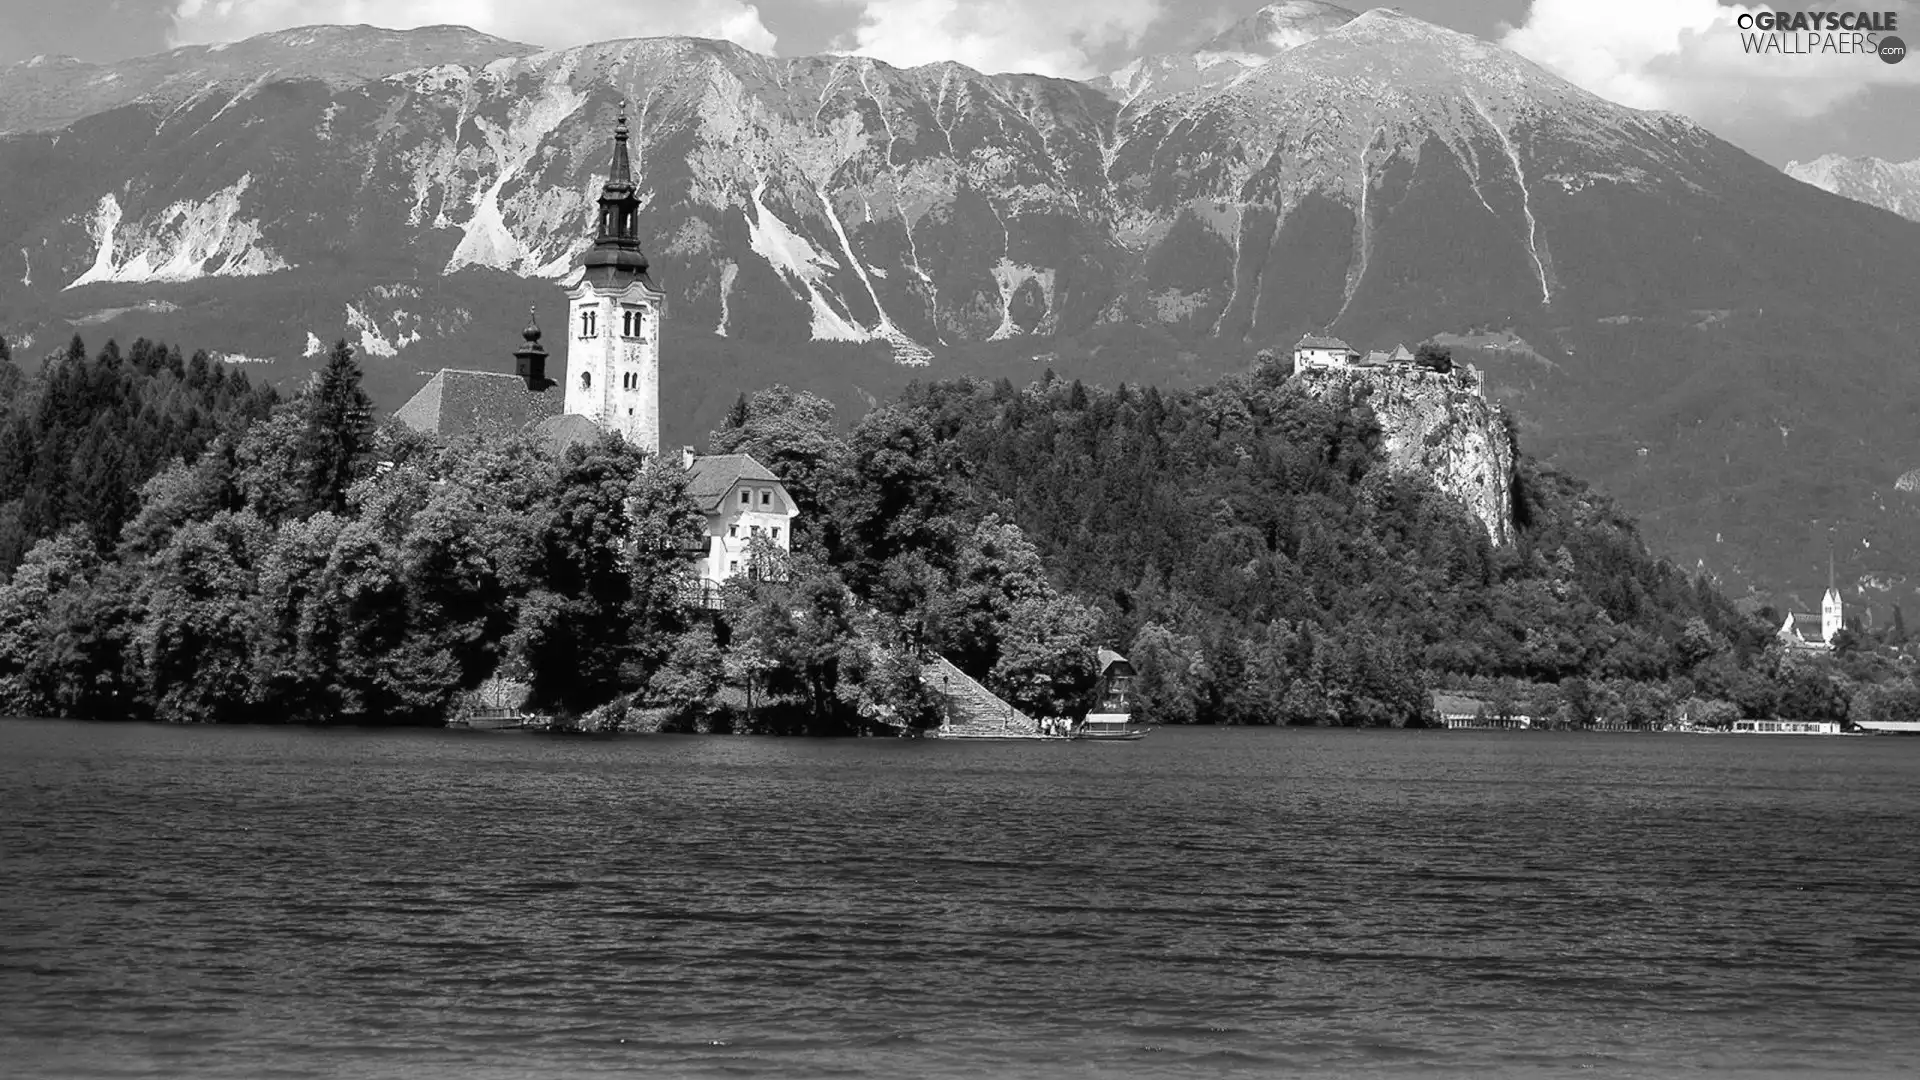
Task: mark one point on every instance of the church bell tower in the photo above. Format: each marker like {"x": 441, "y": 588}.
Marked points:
{"x": 613, "y": 329}
{"x": 1832, "y": 613}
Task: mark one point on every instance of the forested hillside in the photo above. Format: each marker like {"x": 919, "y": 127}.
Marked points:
{"x": 1244, "y": 542}
{"x": 1244, "y": 545}
{"x": 78, "y": 438}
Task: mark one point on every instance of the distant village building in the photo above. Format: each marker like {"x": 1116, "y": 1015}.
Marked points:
{"x": 1323, "y": 352}
{"x": 1460, "y": 711}
{"x": 613, "y": 384}
{"x": 1805, "y": 630}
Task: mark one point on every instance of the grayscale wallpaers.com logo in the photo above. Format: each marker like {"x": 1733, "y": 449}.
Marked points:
{"x": 1822, "y": 33}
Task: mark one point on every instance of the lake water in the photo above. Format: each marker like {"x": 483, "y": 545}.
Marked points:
{"x": 261, "y": 902}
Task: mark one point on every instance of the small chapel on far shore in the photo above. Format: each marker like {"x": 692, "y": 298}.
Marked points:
{"x": 612, "y": 356}
{"x": 1805, "y": 630}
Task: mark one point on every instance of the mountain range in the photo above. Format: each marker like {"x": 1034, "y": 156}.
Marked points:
{"x": 1727, "y": 350}
{"x": 1889, "y": 185}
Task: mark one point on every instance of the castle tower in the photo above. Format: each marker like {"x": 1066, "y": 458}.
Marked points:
{"x": 1831, "y": 613}
{"x": 613, "y": 335}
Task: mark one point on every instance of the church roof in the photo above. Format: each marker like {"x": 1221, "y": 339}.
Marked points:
{"x": 563, "y": 432}
{"x": 1806, "y": 626}
{"x": 458, "y": 402}
{"x": 710, "y": 478}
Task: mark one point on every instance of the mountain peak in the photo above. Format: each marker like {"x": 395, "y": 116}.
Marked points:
{"x": 55, "y": 92}
{"x": 1278, "y": 27}
{"x": 1242, "y": 47}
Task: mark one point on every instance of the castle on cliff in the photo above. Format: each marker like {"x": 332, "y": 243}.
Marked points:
{"x": 612, "y": 356}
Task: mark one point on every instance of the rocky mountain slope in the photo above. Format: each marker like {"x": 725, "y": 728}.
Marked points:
{"x": 1726, "y": 349}
{"x": 1888, "y": 185}
{"x": 49, "y": 92}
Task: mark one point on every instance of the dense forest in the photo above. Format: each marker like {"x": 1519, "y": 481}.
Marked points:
{"x": 77, "y": 442}
{"x": 186, "y": 547}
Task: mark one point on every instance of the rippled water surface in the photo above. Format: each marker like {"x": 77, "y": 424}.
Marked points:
{"x": 289, "y": 903}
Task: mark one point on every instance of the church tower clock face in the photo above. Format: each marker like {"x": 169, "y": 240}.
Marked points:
{"x": 613, "y": 359}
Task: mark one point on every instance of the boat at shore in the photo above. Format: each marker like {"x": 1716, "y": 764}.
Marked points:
{"x": 1107, "y": 727}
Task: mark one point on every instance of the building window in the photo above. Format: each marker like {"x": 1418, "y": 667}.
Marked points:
{"x": 587, "y": 321}
{"x": 746, "y": 499}
{"x": 766, "y": 497}
{"x": 586, "y": 380}
{"x": 733, "y": 566}
{"x": 776, "y": 532}
{"x": 755, "y": 529}
{"x": 733, "y": 530}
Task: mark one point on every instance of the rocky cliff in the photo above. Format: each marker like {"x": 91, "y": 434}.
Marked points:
{"x": 1439, "y": 427}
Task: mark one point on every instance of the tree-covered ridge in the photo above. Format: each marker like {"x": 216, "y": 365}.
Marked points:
{"x": 1244, "y": 542}
{"x": 79, "y": 437}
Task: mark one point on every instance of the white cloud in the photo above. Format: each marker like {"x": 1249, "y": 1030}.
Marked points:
{"x": 1687, "y": 56}
{"x": 549, "y": 23}
{"x": 1043, "y": 37}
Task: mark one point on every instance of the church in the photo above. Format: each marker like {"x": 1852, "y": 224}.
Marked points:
{"x": 612, "y": 384}
{"x": 1805, "y": 630}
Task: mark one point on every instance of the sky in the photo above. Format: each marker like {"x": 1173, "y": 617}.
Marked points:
{"x": 1681, "y": 55}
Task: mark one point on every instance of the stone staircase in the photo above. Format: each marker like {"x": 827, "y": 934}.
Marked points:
{"x": 969, "y": 710}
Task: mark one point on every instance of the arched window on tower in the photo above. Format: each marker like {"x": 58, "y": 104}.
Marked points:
{"x": 587, "y": 321}
{"x": 586, "y": 380}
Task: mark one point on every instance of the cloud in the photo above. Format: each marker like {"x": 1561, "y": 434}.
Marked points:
{"x": 1687, "y": 56}
{"x": 549, "y": 23}
{"x": 1043, "y": 37}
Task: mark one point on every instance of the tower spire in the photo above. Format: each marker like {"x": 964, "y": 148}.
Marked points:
{"x": 616, "y": 256}
{"x": 621, "y": 174}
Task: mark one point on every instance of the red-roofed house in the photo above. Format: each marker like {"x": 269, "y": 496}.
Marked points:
{"x": 742, "y": 499}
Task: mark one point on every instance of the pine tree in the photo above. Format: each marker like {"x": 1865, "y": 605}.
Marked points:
{"x": 738, "y": 415}
{"x": 339, "y": 430}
